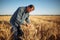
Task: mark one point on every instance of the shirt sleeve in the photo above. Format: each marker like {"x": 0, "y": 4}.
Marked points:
{"x": 19, "y": 15}
{"x": 27, "y": 20}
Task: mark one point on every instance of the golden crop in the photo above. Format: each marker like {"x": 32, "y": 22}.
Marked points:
{"x": 41, "y": 28}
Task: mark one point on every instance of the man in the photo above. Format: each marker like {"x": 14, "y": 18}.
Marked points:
{"x": 17, "y": 19}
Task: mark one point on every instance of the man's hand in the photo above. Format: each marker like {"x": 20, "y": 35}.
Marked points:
{"x": 28, "y": 24}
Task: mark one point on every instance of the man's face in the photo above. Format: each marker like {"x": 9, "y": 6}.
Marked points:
{"x": 30, "y": 9}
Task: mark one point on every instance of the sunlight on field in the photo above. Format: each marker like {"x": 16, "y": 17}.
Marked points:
{"x": 41, "y": 28}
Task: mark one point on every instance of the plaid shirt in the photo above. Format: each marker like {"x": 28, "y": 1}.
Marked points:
{"x": 20, "y": 15}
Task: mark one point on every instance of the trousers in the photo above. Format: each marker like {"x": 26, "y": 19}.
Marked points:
{"x": 16, "y": 28}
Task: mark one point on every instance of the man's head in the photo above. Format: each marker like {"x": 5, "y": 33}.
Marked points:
{"x": 30, "y": 8}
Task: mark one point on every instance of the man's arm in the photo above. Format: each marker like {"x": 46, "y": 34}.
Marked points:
{"x": 27, "y": 20}
{"x": 19, "y": 15}
{"x": 28, "y": 24}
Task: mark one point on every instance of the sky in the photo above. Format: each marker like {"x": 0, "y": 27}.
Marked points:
{"x": 42, "y": 7}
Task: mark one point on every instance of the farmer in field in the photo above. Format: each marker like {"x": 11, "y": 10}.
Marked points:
{"x": 17, "y": 19}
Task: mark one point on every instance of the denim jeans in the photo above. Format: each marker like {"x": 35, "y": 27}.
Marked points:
{"x": 17, "y": 31}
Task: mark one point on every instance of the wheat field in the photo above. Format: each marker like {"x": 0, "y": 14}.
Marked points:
{"x": 42, "y": 28}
